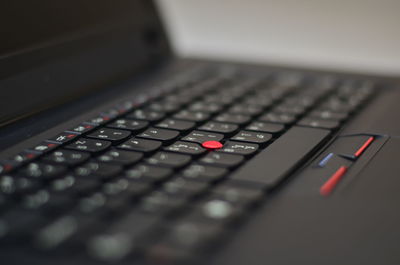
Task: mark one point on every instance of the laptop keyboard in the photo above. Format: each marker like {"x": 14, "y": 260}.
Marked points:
{"x": 165, "y": 176}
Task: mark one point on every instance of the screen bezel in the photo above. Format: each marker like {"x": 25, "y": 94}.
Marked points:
{"x": 137, "y": 46}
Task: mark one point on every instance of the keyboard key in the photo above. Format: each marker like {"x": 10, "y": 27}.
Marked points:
{"x": 164, "y": 106}
{"x": 147, "y": 115}
{"x": 238, "y": 119}
{"x": 280, "y": 157}
{"x": 238, "y": 195}
{"x": 71, "y": 185}
{"x": 205, "y": 107}
{"x": 222, "y": 159}
{"x": 97, "y": 170}
{"x": 255, "y": 100}
{"x": 316, "y": 123}
{"x": 328, "y": 115}
{"x": 185, "y": 148}
{"x": 246, "y": 109}
{"x": 148, "y": 173}
{"x": 289, "y": 109}
{"x": 131, "y": 125}
{"x": 98, "y": 120}
{"x": 120, "y": 157}
{"x": 63, "y": 137}
{"x": 41, "y": 170}
{"x": 161, "y": 203}
{"x": 252, "y": 137}
{"x": 169, "y": 159}
{"x": 183, "y": 187}
{"x": 23, "y": 157}
{"x": 44, "y": 147}
{"x": 203, "y": 172}
{"x": 201, "y": 137}
{"x": 159, "y": 134}
{"x": 218, "y": 127}
{"x": 265, "y": 127}
{"x": 192, "y": 116}
{"x": 239, "y": 148}
{"x": 12, "y": 185}
{"x": 140, "y": 145}
{"x": 122, "y": 237}
{"x": 89, "y": 145}
{"x": 214, "y": 211}
{"x": 66, "y": 157}
{"x": 110, "y": 134}
{"x": 282, "y": 118}
{"x": 82, "y": 128}
{"x": 176, "y": 125}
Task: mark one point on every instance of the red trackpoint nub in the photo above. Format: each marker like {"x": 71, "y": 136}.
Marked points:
{"x": 211, "y": 145}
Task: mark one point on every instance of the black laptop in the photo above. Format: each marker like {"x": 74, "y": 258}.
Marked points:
{"x": 115, "y": 151}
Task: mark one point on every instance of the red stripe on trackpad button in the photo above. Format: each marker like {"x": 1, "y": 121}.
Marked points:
{"x": 332, "y": 182}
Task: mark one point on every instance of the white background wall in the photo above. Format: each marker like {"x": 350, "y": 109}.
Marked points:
{"x": 351, "y": 34}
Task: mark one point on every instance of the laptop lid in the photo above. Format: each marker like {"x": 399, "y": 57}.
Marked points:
{"x": 55, "y": 51}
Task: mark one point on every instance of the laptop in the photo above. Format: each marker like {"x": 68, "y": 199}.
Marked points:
{"x": 116, "y": 151}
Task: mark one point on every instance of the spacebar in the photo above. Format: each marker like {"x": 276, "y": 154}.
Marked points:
{"x": 273, "y": 164}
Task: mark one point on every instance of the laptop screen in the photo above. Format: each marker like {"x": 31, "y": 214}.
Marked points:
{"x": 45, "y": 43}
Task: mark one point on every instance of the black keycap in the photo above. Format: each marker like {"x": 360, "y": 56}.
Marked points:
{"x": 82, "y": 128}
{"x": 176, "y": 125}
{"x": 7, "y": 166}
{"x": 161, "y": 203}
{"x": 131, "y": 125}
{"x": 258, "y": 101}
{"x": 205, "y": 107}
{"x": 183, "y": 240}
{"x": 35, "y": 200}
{"x": 290, "y": 109}
{"x": 12, "y": 185}
{"x": 19, "y": 224}
{"x": 328, "y": 115}
{"x": 159, "y": 134}
{"x": 183, "y": 187}
{"x": 146, "y": 115}
{"x": 239, "y": 148}
{"x": 201, "y": 137}
{"x": 23, "y": 157}
{"x": 252, "y": 137}
{"x": 246, "y": 109}
{"x": 214, "y": 211}
{"x": 222, "y": 159}
{"x": 89, "y": 145}
{"x": 218, "y": 127}
{"x": 278, "y": 118}
{"x": 121, "y": 238}
{"x": 140, "y": 145}
{"x": 164, "y": 106}
{"x": 66, "y": 157}
{"x": 338, "y": 105}
{"x": 219, "y": 99}
{"x": 96, "y": 169}
{"x": 169, "y": 159}
{"x": 148, "y": 173}
{"x": 41, "y": 170}
{"x": 63, "y": 137}
{"x": 272, "y": 164}
{"x": 113, "y": 135}
{"x": 185, "y": 148}
{"x": 203, "y": 172}
{"x": 265, "y": 127}
{"x": 233, "y": 118}
{"x": 120, "y": 157}
{"x": 72, "y": 185}
{"x": 316, "y": 123}
{"x": 237, "y": 195}
{"x": 98, "y": 120}
{"x": 192, "y": 116}
{"x": 44, "y": 147}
